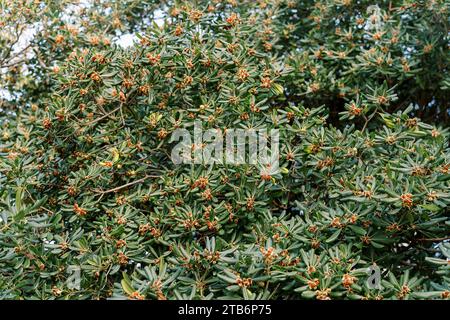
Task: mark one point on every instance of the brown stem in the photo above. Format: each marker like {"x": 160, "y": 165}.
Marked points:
{"x": 128, "y": 184}
{"x": 433, "y": 239}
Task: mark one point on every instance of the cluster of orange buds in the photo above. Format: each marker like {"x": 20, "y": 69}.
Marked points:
{"x": 100, "y": 101}
{"x": 72, "y": 190}
{"x": 143, "y": 228}
{"x": 95, "y": 76}
{"x": 432, "y": 195}
{"x": 315, "y": 147}
{"x": 121, "y": 243}
{"x": 364, "y": 193}
{"x": 122, "y": 97}
{"x": 250, "y": 203}
{"x": 120, "y": 200}
{"x": 348, "y": 280}
{"x": 435, "y": 133}
{"x": 244, "y": 282}
{"x": 244, "y": 116}
{"x": 213, "y": 257}
{"x": 327, "y": 162}
{"x": 106, "y": 164}
{"x": 212, "y": 225}
{"x": 405, "y": 66}
{"x": 233, "y": 19}
{"x": 82, "y": 107}
{"x": 153, "y": 58}
{"x": 136, "y": 296}
{"x": 156, "y": 233}
{"x": 367, "y": 223}
{"x": 94, "y": 40}
{"x": 393, "y": 227}
{"x": 207, "y": 212}
{"x": 419, "y": 171}
{"x": 445, "y": 168}
{"x": 290, "y": 262}
{"x": 207, "y": 195}
{"x": 404, "y": 291}
{"x": 377, "y": 36}
{"x": 79, "y": 211}
{"x": 276, "y": 237}
{"x": 313, "y": 283}
{"x": 127, "y": 83}
{"x": 242, "y": 74}
{"x": 390, "y": 139}
{"x": 311, "y": 269}
{"x": 445, "y": 294}
{"x": 407, "y": 200}
{"x": 314, "y": 87}
{"x": 411, "y": 122}
{"x": 315, "y": 243}
{"x": 162, "y": 134}
{"x": 56, "y": 291}
{"x": 269, "y": 254}
{"x": 354, "y": 109}
{"x": 59, "y": 39}
{"x": 323, "y": 294}
{"x": 201, "y": 183}
{"x": 187, "y": 80}
{"x": 427, "y": 48}
{"x": 336, "y": 223}
{"x": 195, "y": 15}
{"x": 290, "y": 116}
{"x": 234, "y": 100}
{"x": 382, "y": 100}
{"x": 174, "y": 12}
{"x": 178, "y": 30}
{"x": 63, "y": 245}
{"x": 47, "y": 123}
{"x": 122, "y": 258}
{"x": 157, "y": 287}
{"x": 231, "y": 47}
{"x": 144, "y": 89}
{"x": 266, "y": 82}
{"x": 98, "y": 57}
{"x": 190, "y": 223}
{"x": 366, "y": 240}
{"x": 267, "y": 46}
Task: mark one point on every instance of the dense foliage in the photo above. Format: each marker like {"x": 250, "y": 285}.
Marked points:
{"x": 358, "y": 92}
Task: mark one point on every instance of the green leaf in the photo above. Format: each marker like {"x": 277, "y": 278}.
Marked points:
{"x": 436, "y": 261}
{"x": 277, "y": 88}
{"x": 308, "y": 294}
{"x": 357, "y": 229}
{"x": 431, "y": 207}
{"x": 334, "y": 236}
{"x": 19, "y": 192}
{"x": 126, "y": 284}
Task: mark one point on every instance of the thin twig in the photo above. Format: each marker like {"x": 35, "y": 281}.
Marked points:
{"x": 368, "y": 119}
{"x": 433, "y": 239}
{"x": 31, "y": 197}
{"x": 128, "y": 184}
{"x": 104, "y": 116}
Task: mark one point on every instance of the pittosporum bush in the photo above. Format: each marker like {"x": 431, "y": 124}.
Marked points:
{"x": 93, "y": 206}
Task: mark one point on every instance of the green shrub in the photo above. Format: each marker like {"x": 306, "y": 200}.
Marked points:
{"x": 88, "y": 182}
